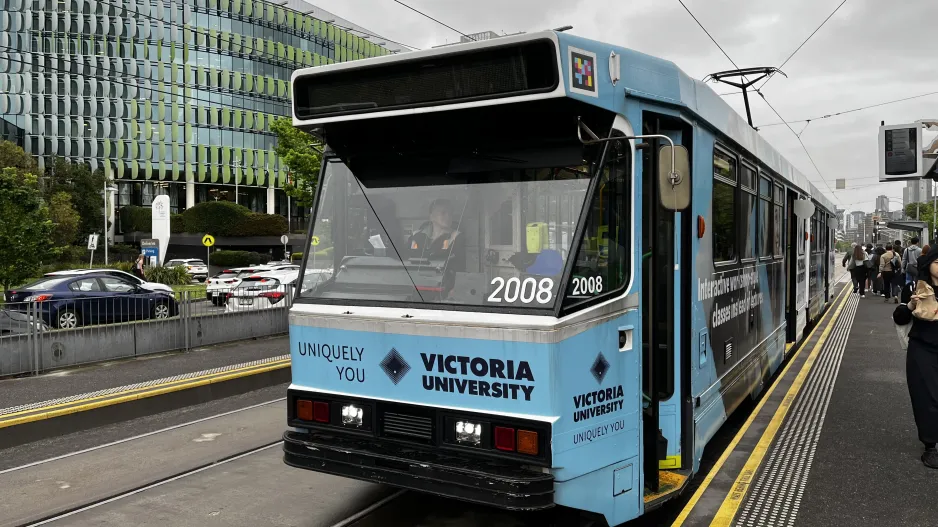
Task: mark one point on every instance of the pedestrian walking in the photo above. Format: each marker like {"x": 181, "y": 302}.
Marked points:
{"x": 887, "y": 270}
{"x": 138, "y": 267}
{"x": 873, "y": 272}
{"x": 859, "y": 270}
{"x": 922, "y": 355}
{"x": 910, "y": 260}
{"x": 899, "y": 276}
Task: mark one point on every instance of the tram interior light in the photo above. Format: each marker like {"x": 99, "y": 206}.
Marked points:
{"x": 468, "y": 433}
{"x": 352, "y": 415}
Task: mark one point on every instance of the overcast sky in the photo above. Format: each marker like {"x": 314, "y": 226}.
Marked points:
{"x": 869, "y": 52}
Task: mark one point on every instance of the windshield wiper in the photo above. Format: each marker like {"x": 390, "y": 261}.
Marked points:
{"x": 390, "y": 242}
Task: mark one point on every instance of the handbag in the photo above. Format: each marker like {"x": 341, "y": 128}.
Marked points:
{"x": 927, "y": 306}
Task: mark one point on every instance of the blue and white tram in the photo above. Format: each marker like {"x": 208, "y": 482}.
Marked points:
{"x": 519, "y": 293}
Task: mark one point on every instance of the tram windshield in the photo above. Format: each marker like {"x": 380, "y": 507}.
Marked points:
{"x": 471, "y": 229}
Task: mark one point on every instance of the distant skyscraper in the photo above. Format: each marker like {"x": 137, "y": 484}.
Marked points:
{"x": 882, "y": 204}
{"x": 917, "y": 191}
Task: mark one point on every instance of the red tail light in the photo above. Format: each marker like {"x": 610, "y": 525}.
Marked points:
{"x": 505, "y": 438}
{"x": 273, "y": 296}
{"x": 229, "y": 281}
{"x": 321, "y": 412}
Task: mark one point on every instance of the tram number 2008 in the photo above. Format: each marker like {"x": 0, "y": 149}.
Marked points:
{"x": 527, "y": 291}
{"x": 587, "y": 286}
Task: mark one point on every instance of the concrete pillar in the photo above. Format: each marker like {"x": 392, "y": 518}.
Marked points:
{"x": 190, "y": 194}
{"x": 271, "y": 201}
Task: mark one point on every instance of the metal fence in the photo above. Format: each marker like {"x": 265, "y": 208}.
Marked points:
{"x": 39, "y": 336}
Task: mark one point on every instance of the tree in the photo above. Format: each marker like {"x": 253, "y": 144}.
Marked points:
{"x": 296, "y": 149}
{"x": 921, "y": 211}
{"x": 85, "y": 188}
{"x": 25, "y": 228}
{"x": 12, "y": 156}
{"x": 65, "y": 219}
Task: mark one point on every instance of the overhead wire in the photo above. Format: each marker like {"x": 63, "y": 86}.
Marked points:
{"x": 421, "y": 13}
{"x": 823, "y": 179}
{"x": 803, "y": 43}
{"x": 844, "y": 112}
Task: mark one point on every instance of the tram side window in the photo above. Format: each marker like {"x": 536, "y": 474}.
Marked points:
{"x": 748, "y": 210}
{"x": 765, "y": 220}
{"x": 602, "y": 262}
{"x": 724, "y": 207}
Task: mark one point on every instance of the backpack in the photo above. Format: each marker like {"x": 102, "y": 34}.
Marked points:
{"x": 895, "y": 262}
{"x": 911, "y": 262}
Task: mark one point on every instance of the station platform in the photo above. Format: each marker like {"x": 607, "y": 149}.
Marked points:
{"x": 78, "y": 398}
{"x": 833, "y": 442}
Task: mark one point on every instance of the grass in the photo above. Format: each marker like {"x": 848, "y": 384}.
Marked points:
{"x": 196, "y": 291}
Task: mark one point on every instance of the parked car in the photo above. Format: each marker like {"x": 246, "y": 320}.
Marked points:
{"x": 194, "y": 266}
{"x": 261, "y": 291}
{"x": 13, "y": 322}
{"x": 71, "y": 301}
{"x": 151, "y": 286}
{"x": 218, "y": 286}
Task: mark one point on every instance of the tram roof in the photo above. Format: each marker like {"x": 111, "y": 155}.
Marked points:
{"x": 641, "y": 76}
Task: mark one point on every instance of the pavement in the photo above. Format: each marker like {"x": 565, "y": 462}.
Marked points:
{"x": 866, "y": 469}
{"x": 103, "y": 375}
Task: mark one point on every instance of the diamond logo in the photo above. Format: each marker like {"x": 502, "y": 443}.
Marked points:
{"x": 600, "y": 368}
{"x": 395, "y": 366}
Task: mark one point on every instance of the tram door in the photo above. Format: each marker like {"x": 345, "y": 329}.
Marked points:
{"x": 661, "y": 387}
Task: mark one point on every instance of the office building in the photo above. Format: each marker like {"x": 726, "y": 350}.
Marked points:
{"x": 917, "y": 191}
{"x": 882, "y": 204}
{"x": 169, "y": 97}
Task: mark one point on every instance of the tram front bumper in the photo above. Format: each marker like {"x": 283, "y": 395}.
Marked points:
{"x": 480, "y": 481}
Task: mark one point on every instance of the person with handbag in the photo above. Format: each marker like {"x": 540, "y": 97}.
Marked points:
{"x": 859, "y": 269}
{"x": 887, "y": 270}
{"x": 920, "y": 308}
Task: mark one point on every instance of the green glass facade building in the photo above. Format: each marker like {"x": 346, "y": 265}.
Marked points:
{"x": 167, "y": 97}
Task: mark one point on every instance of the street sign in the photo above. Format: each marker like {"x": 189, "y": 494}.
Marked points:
{"x": 150, "y": 247}
{"x": 92, "y": 242}
{"x": 208, "y": 240}
{"x": 284, "y": 239}
{"x": 315, "y": 240}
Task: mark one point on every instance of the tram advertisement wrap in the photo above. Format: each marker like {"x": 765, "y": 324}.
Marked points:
{"x": 742, "y": 306}
{"x": 434, "y": 370}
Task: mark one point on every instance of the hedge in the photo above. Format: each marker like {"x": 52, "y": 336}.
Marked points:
{"x": 140, "y": 219}
{"x": 237, "y": 258}
{"x": 219, "y": 218}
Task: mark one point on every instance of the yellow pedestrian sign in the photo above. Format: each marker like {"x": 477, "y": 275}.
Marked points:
{"x": 315, "y": 240}
{"x": 208, "y": 240}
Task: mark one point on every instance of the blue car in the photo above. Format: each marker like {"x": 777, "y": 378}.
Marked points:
{"x": 99, "y": 298}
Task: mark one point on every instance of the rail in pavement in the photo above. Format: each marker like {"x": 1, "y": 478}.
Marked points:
{"x": 32, "y": 408}
{"x": 840, "y": 447}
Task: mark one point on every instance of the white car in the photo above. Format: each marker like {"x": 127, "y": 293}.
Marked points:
{"x": 194, "y": 266}
{"x": 150, "y": 286}
{"x": 262, "y": 290}
{"x": 218, "y": 286}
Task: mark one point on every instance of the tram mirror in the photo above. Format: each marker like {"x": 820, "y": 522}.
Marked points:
{"x": 674, "y": 177}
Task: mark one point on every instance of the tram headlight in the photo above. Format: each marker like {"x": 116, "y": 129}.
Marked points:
{"x": 468, "y": 432}
{"x": 352, "y": 415}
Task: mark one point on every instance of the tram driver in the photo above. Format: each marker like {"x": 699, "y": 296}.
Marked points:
{"x": 438, "y": 239}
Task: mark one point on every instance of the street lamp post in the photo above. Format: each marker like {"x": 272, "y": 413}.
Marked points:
{"x": 107, "y": 191}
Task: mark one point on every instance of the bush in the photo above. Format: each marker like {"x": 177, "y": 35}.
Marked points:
{"x": 177, "y": 224}
{"x": 261, "y": 225}
{"x": 136, "y": 219}
{"x": 237, "y": 258}
{"x": 219, "y": 218}
{"x": 167, "y": 275}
